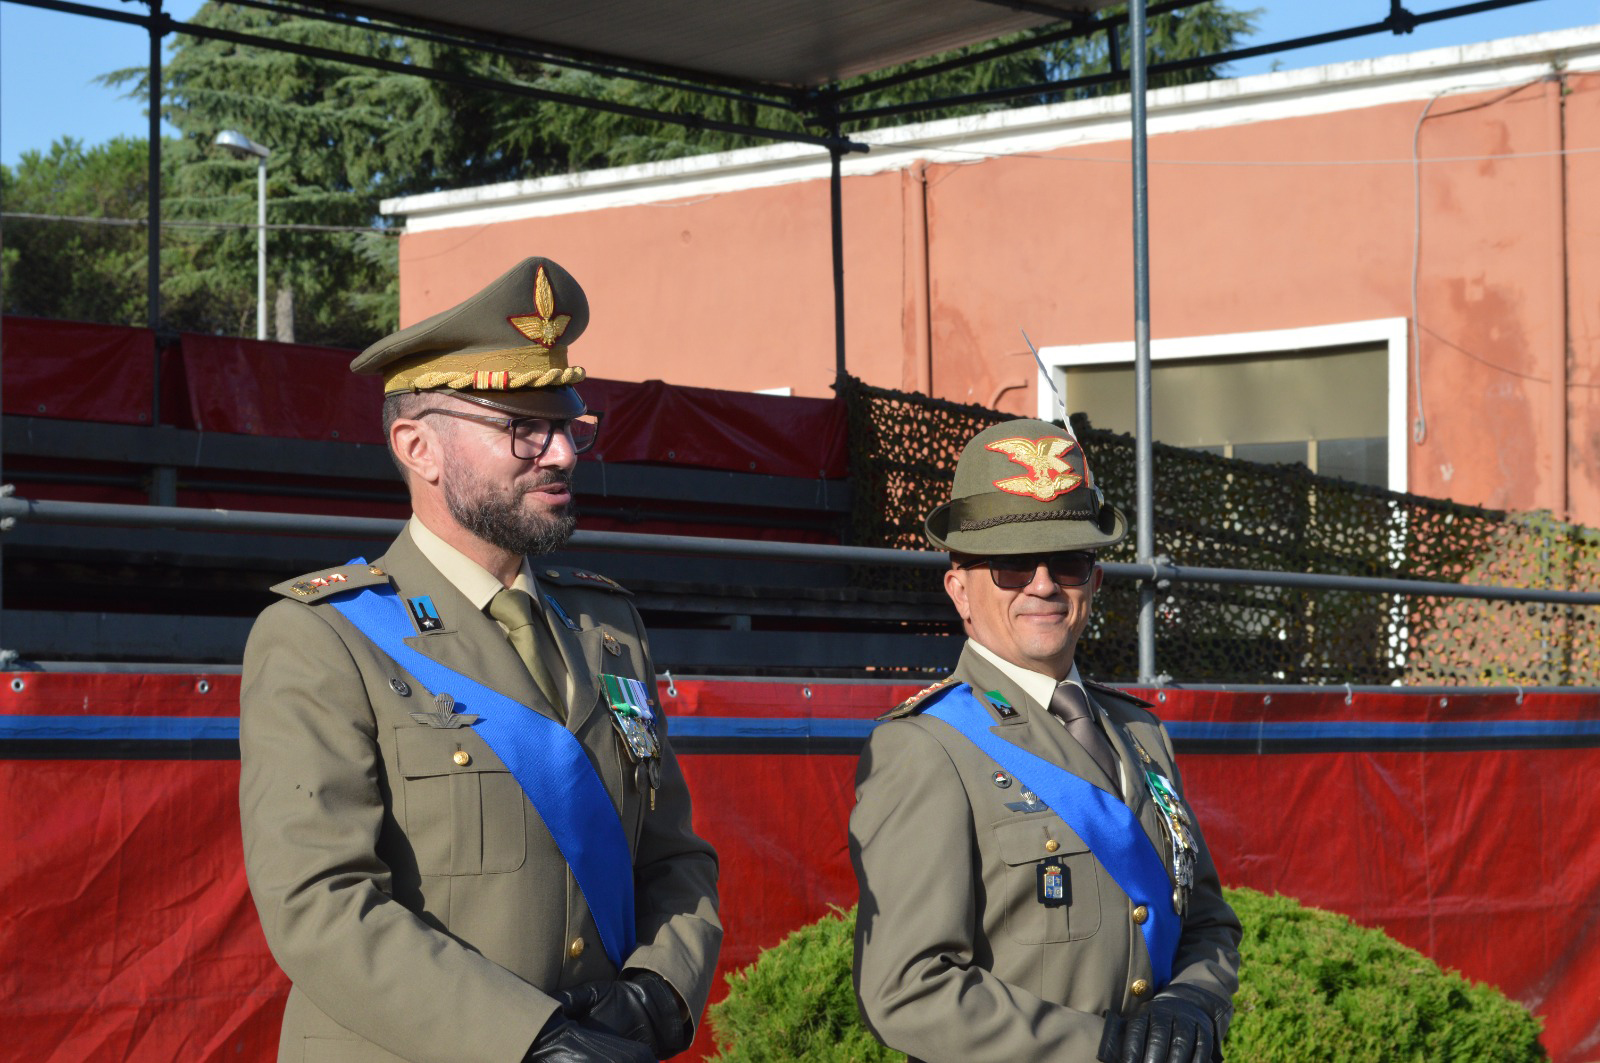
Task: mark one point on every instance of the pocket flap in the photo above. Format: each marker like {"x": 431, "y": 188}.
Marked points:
{"x": 1022, "y": 840}
{"x": 422, "y": 751}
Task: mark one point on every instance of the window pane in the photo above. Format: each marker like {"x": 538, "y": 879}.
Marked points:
{"x": 1271, "y": 453}
{"x": 1362, "y": 460}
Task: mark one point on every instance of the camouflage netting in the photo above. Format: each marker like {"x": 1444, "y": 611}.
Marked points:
{"x": 1219, "y": 512}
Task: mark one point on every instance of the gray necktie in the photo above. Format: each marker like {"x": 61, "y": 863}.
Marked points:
{"x": 514, "y": 609}
{"x": 1069, "y": 703}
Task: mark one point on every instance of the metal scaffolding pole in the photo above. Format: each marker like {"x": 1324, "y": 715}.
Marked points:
{"x": 158, "y": 27}
{"x": 1144, "y": 519}
{"x": 836, "y": 151}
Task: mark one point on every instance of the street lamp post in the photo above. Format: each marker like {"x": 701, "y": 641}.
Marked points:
{"x": 244, "y": 148}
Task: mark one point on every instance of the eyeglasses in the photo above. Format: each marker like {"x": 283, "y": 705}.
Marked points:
{"x": 1012, "y": 572}
{"x": 530, "y": 436}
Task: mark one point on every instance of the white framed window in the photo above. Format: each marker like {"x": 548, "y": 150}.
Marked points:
{"x": 1331, "y": 396}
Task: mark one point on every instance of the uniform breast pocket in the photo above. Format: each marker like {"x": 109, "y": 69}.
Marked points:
{"x": 464, "y": 812}
{"x": 1023, "y": 846}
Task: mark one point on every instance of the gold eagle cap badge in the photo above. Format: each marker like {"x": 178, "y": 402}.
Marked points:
{"x": 1049, "y": 475}
{"x": 544, "y": 326}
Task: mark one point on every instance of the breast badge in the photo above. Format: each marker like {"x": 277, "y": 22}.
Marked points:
{"x": 444, "y": 714}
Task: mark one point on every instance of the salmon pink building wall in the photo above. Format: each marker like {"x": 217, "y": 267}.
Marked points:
{"x": 1286, "y": 201}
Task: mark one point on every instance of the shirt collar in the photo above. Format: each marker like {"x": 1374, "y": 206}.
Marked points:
{"x": 474, "y": 581}
{"x": 1036, "y": 685}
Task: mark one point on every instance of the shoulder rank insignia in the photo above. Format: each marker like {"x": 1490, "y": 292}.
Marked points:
{"x": 316, "y": 585}
{"x": 914, "y": 704}
{"x": 444, "y": 714}
{"x": 580, "y": 577}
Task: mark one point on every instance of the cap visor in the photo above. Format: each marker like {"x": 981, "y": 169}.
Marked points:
{"x": 554, "y": 404}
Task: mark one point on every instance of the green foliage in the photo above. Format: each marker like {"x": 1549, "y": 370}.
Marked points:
{"x": 796, "y": 1002}
{"x": 97, "y": 269}
{"x": 1315, "y": 988}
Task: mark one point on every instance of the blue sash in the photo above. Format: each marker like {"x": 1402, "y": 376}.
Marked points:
{"x": 545, "y": 759}
{"x": 1110, "y": 828}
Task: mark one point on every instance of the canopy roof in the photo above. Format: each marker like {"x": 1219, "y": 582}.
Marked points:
{"x": 794, "y": 43}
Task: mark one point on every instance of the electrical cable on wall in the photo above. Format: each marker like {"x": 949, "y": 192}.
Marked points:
{"x": 1419, "y": 427}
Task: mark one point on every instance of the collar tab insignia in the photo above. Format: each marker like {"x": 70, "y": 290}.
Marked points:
{"x": 571, "y": 624}
{"x": 424, "y": 614}
{"x": 1001, "y": 705}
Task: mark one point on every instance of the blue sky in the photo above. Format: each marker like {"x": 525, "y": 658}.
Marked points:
{"x": 48, "y": 60}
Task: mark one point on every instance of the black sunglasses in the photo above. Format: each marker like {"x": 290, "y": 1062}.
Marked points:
{"x": 1012, "y": 572}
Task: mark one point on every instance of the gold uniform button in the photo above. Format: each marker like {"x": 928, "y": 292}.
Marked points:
{"x": 576, "y": 948}
{"x": 1051, "y": 846}
{"x": 1140, "y": 987}
{"x": 1140, "y": 914}
{"x": 462, "y": 757}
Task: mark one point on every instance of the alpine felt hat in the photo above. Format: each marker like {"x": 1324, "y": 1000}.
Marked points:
{"x": 505, "y": 347}
{"x": 1024, "y": 487}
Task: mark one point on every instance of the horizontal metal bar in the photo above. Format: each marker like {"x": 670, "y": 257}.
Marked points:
{"x": 1370, "y": 584}
{"x": 804, "y": 684}
{"x": 47, "y": 511}
{"x": 186, "y": 518}
{"x": 48, "y": 437}
{"x": 194, "y": 668}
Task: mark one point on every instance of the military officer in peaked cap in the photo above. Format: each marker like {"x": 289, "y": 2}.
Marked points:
{"x": 464, "y": 828}
{"x": 1033, "y": 883}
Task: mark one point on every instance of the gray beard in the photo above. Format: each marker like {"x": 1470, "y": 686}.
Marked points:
{"x": 500, "y": 520}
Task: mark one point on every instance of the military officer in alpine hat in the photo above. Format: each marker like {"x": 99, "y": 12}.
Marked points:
{"x": 464, "y": 827}
{"x": 1033, "y": 883}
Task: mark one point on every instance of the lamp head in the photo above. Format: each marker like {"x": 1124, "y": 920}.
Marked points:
{"x": 241, "y": 145}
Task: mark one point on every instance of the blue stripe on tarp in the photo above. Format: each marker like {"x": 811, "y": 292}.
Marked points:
{"x": 121, "y": 728}
{"x": 1356, "y": 729}
{"x": 226, "y": 728}
{"x": 758, "y": 727}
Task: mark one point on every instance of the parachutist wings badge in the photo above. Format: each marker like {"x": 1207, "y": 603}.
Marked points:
{"x": 1048, "y": 476}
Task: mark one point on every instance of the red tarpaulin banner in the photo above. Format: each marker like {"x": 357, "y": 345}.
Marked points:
{"x": 293, "y": 391}
{"x": 77, "y": 372}
{"x": 85, "y": 372}
{"x": 1459, "y": 824}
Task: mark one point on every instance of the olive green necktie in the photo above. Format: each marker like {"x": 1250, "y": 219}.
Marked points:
{"x": 514, "y": 609}
{"x": 1072, "y": 707}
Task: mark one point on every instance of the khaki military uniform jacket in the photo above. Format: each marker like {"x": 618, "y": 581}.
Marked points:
{"x": 956, "y": 958}
{"x": 411, "y": 893}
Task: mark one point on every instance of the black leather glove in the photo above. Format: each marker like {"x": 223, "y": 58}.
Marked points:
{"x": 564, "y": 1040}
{"x": 1111, "y": 1039}
{"x": 1181, "y": 1024}
{"x": 640, "y": 1006}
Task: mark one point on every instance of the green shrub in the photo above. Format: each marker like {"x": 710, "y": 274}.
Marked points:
{"x": 1315, "y": 988}
{"x": 796, "y": 1002}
